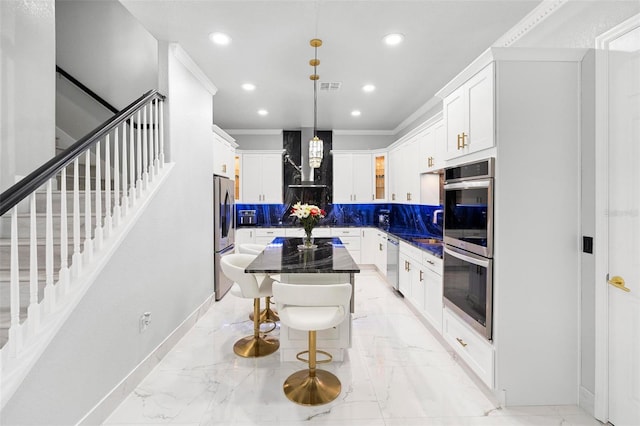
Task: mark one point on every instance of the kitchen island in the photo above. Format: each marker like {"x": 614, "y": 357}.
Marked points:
{"x": 329, "y": 263}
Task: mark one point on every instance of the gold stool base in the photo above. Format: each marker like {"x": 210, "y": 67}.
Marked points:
{"x": 305, "y": 390}
{"x": 254, "y": 347}
{"x": 266, "y": 315}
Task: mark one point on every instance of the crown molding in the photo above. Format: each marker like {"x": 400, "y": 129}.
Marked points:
{"x": 224, "y": 135}
{"x": 545, "y": 9}
{"x": 184, "y": 58}
{"x": 339, "y": 132}
{"x": 426, "y": 107}
{"x": 265, "y": 132}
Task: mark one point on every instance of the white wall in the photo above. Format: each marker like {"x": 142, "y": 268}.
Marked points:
{"x": 258, "y": 142}
{"x": 164, "y": 266}
{"x": 27, "y": 89}
{"x": 103, "y": 46}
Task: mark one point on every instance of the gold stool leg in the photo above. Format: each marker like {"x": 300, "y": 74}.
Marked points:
{"x": 312, "y": 386}
{"x": 267, "y": 314}
{"x": 256, "y": 345}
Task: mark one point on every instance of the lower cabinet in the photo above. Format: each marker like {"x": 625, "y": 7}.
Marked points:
{"x": 316, "y": 233}
{"x": 381, "y": 252}
{"x": 475, "y": 350}
{"x": 266, "y": 235}
{"x": 244, "y": 236}
{"x": 350, "y": 237}
{"x": 432, "y": 283}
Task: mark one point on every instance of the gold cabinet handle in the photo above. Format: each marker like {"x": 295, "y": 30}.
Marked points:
{"x": 461, "y": 143}
{"x": 421, "y": 276}
{"x": 461, "y": 342}
{"x": 618, "y": 282}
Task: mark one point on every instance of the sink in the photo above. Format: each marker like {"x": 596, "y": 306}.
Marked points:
{"x": 426, "y": 240}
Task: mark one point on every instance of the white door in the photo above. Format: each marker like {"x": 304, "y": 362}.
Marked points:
{"x": 624, "y": 227}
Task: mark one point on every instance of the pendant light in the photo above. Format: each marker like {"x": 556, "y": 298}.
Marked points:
{"x": 316, "y": 149}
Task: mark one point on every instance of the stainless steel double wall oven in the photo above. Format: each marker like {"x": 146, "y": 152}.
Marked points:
{"x": 468, "y": 237}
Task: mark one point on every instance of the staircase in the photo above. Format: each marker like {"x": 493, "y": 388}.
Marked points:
{"x": 61, "y": 257}
{"x": 56, "y": 223}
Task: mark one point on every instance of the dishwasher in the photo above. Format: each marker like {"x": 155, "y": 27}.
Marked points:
{"x": 393, "y": 253}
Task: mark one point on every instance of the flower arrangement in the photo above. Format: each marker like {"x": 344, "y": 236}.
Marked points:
{"x": 309, "y": 216}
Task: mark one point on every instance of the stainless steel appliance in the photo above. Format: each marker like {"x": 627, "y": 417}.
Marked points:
{"x": 468, "y": 288}
{"x": 223, "y": 230}
{"x": 468, "y": 237}
{"x": 393, "y": 253}
{"x": 468, "y": 207}
{"x": 247, "y": 217}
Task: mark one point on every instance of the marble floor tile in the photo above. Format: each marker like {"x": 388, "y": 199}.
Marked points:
{"x": 395, "y": 373}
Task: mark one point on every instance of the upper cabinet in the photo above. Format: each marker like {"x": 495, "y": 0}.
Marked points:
{"x": 403, "y": 166}
{"x": 224, "y": 152}
{"x": 469, "y": 115}
{"x": 433, "y": 147}
{"x": 261, "y": 177}
{"x": 353, "y": 177}
{"x": 381, "y": 177}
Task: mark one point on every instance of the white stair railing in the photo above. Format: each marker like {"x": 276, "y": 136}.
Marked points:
{"x": 41, "y": 259}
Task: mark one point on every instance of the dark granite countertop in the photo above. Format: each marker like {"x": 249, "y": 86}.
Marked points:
{"x": 283, "y": 256}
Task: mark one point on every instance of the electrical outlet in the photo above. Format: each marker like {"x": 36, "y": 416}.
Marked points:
{"x": 145, "y": 321}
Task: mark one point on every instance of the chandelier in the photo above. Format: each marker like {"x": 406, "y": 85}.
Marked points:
{"x": 316, "y": 149}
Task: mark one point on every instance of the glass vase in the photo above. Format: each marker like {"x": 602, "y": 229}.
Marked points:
{"x": 307, "y": 240}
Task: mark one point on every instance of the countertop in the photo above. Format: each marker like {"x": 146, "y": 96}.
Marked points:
{"x": 283, "y": 256}
{"x": 433, "y": 245}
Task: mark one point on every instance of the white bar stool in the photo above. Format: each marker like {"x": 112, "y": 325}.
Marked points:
{"x": 267, "y": 314}
{"x": 312, "y": 307}
{"x": 247, "y": 286}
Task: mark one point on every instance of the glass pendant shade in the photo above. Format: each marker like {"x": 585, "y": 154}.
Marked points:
{"x": 315, "y": 152}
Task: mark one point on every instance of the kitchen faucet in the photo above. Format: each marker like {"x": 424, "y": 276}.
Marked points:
{"x": 435, "y": 215}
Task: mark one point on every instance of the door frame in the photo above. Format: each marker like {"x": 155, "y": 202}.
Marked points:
{"x": 601, "y": 243}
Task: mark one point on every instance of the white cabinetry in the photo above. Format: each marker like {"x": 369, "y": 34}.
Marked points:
{"x": 266, "y": 235}
{"x": 433, "y": 147}
{"x": 381, "y": 252}
{"x": 404, "y": 176}
{"x": 368, "y": 246}
{"x": 469, "y": 115}
{"x": 352, "y": 177}
{"x": 350, "y": 237}
{"x": 224, "y": 150}
{"x": 316, "y": 233}
{"x": 244, "y": 236}
{"x": 477, "y": 352}
{"x": 535, "y": 109}
{"x": 411, "y": 275}
{"x": 261, "y": 180}
{"x": 432, "y": 283}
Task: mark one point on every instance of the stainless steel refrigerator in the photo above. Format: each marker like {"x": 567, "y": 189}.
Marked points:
{"x": 223, "y": 230}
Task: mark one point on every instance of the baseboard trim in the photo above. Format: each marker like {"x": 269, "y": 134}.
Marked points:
{"x": 103, "y": 409}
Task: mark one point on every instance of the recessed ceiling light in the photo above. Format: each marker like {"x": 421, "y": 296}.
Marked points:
{"x": 355, "y": 113}
{"x": 249, "y": 87}
{"x": 368, "y": 88}
{"x": 393, "y": 39}
{"x": 263, "y": 112}
{"x": 220, "y": 38}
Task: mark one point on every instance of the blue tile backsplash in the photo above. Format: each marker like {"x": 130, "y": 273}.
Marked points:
{"x": 407, "y": 219}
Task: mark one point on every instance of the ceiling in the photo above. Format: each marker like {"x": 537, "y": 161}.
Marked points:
{"x": 270, "y": 48}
